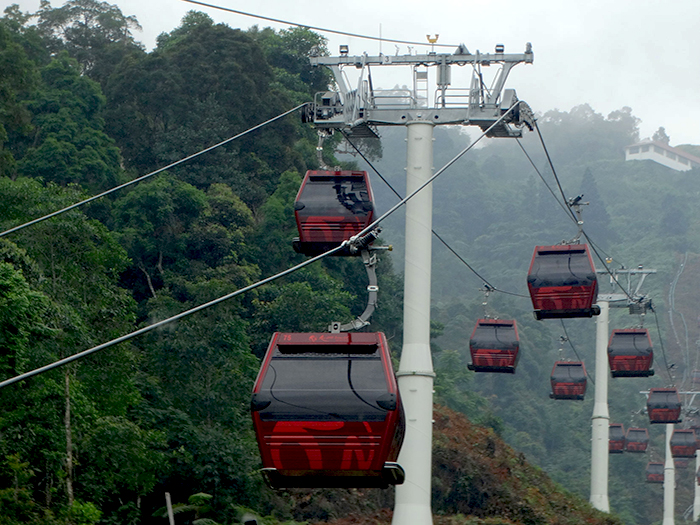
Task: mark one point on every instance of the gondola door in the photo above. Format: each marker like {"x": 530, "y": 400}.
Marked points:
{"x": 683, "y": 443}
{"x": 562, "y": 282}
{"x": 616, "y": 438}
{"x": 637, "y": 440}
{"x": 568, "y": 380}
{"x": 331, "y": 207}
{"x": 655, "y": 472}
{"x": 327, "y": 412}
{"x": 494, "y": 346}
{"x": 664, "y": 406}
{"x": 630, "y": 353}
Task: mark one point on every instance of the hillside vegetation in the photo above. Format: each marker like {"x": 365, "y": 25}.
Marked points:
{"x": 84, "y": 108}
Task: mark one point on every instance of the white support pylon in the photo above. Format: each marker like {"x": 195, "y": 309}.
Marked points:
{"x": 415, "y": 374}
{"x": 696, "y": 500}
{"x": 669, "y": 480}
{"x": 600, "y": 432}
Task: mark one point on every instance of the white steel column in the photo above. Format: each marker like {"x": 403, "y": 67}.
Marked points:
{"x": 600, "y": 455}
{"x": 415, "y": 375}
{"x": 669, "y": 480}
{"x": 696, "y": 500}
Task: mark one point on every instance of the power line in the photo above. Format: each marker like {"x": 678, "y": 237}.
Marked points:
{"x": 437, "y": 236}
{"x": 314, "y": 28}
{"x": 139, "y": 179}
{"x": 152, "y": 327}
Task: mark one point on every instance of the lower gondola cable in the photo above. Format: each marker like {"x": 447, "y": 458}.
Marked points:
{"x": 159, "y": 324}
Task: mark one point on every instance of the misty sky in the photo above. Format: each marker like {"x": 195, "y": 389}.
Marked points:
{"x": 609, "y": 54}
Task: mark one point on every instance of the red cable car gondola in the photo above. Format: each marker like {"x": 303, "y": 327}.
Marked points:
{"x": 683, "y": 444}
{"x": 331, "y": 207}
{"x": 616, "y": 438}
{"x": 655, "y": 472}
{"x": 568, "y": 380}
{"x": 562, "y": 282}
{"x": 327, "y": 412}
{"x": 664, "y": 405}
{"x": 681, "y": 463}
{"x": 695, "y": 377}
{"x": 637, "y": 440}
{"x": 630, "y": 353}
{"x": 494, "y": 346}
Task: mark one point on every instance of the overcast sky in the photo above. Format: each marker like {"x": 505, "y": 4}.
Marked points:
{"x": 607, "y": 53}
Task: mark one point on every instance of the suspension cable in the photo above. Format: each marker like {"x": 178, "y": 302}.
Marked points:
{"x": 566, "y": 334}
{"x": 437, "y": 236}
{"x": 139, "y": 179}
{"x": 539, "y": 173}
{"x": 551, "y": 166}
{"x": 663, "y": 350}
{"x": 435, "y": 175}
{"x": 149, "y": 328}
{"x": 570, "y": 213}
{"x": 152, "y": 327}
{"x": 321, "y": 29}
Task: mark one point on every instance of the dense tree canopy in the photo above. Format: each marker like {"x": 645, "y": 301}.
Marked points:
{"x": 83, "y": 108}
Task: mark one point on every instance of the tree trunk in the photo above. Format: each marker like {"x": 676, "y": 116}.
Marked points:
{"x": 148, "y": 280}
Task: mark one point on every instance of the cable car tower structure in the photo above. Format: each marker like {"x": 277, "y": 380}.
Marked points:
{"x": 358, "y": 112}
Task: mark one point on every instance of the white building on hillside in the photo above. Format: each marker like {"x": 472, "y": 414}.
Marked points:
{"x": 661, "y": 153}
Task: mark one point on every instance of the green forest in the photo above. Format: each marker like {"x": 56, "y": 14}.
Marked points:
{"x": 85, "y": 108}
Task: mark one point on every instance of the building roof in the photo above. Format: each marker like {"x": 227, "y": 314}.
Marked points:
{"x": 679, "y": 152}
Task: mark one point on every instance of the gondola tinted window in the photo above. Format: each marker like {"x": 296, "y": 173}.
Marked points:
{"x": 562, "y": 282}
{"x": 495, "y": 336}
{"x": 569, "y": 373}
{"x": 336, "y": 196}
{"x": 561, "y": 268}
{"x": 354, "y": 386}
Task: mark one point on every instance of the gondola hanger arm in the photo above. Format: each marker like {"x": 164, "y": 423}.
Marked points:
{"x": 575, "y": 204}
{"x": 370, "y": 261}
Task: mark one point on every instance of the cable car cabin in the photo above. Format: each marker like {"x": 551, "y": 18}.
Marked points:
{"x": 683, "y": 444}
{"x": 616, "y": 438}
{"x": 494, "y": 346}
{"x": 327, "y": 412}
{"x": 637, "y": 440}
{"x": 568, "y": 380}
{"x": 630, "y": 353}
{"x": 655, "y": 472}
{"x": 331, "y": 207}
{"x": 664, "y": 405}
{"x": 681, "y": 463}
{"x": 695, "y": 377}
{"x": 562, "y": 282}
